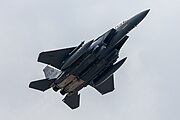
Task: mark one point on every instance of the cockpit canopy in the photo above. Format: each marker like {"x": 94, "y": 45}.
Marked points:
{"x": 120, "y": 24}
{"x": 106, "y": 37}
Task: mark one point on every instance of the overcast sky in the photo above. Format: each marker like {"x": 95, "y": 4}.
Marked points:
{"x": 147, "y": 85}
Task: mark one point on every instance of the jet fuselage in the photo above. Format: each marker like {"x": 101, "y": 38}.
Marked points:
{"x": 92, "y": 63}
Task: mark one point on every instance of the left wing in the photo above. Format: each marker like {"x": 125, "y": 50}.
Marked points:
{"x": 107, "y": 86}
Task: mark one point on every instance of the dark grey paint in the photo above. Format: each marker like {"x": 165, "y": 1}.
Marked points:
{"x": 92, "y": 64}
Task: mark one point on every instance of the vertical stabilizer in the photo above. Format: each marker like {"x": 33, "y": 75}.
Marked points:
{"x": 51, "y": 72}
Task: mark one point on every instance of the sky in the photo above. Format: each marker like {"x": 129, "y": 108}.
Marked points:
{"x": 147, "y": 86}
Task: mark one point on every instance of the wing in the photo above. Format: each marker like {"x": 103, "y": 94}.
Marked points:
{"x": 55, "y": 57}
{"x": 107, "y": 86}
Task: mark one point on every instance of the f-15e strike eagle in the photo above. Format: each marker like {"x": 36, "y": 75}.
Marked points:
{"x": 92, "y": 63}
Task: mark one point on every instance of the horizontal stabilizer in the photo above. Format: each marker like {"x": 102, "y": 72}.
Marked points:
{"x": 107, "y": 86}
{"x": 55, "y": 57}
{"x": 41, "y": 85}
{"x": 72, "y": 101}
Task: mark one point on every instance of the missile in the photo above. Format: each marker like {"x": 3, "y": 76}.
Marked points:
{"x": 76, "y": 55}
{"x": 108, "y": 72}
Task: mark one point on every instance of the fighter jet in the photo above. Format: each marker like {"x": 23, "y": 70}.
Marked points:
{"x": 93, "y": 63}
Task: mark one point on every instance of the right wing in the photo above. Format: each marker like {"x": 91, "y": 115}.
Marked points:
{"x": 55, "y": 57}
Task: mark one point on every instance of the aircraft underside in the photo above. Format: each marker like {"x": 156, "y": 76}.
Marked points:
{"x": 70, "y": 84}
{"x": 92, "y": 63}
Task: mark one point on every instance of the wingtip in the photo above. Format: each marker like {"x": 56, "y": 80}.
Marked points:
{"x": 124, "y": 59}
{"x": 148, "y": 10}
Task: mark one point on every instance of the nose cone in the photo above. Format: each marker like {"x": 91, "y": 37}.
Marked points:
{"x": 138, "y": 18}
